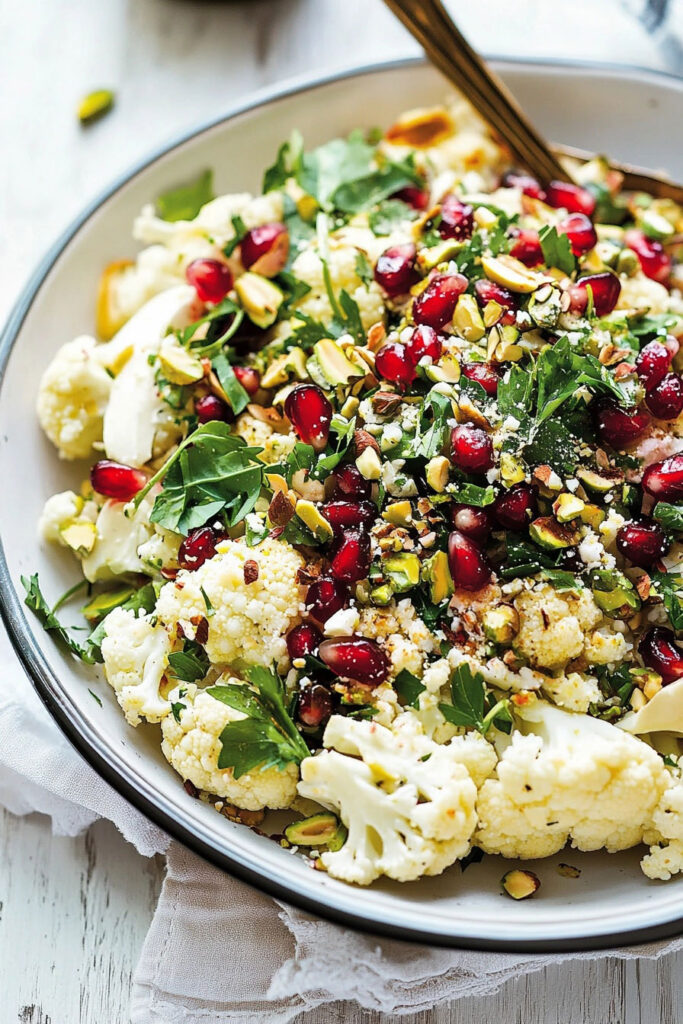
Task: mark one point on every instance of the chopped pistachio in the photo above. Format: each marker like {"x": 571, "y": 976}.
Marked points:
{"x": 520, "y": 885}
{"x": 437, "y": 472}
{"x": 95, "y": 105}
{"x": 369, "y": 464}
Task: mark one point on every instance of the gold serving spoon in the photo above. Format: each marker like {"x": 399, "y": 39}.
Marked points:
{"x": 429, "y": 22}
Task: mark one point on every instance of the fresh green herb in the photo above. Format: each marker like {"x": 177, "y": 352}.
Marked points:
{"x": 68, "y": 594}
{"x": 389, "y": 215}
{"x": 142, "y": 600}
{"x": 184, "y": 203}
{"x": 177, "y": 706}
{"x": 240, "y": 229}
{"x": 210, "y": 610}
{"x": 557, "y": 250}
{"x": 409, "y": 688}
{"x": 670, "y": 516}
{"x": 432, "y": 429}
{"x": 363, "y": 268}
{"x": 669, "y": 761}
{"x": 95, "y": 697}
{"x": 523, "y": 559}
{"x": 191, "y": 664}
{"x": 234, "y": 392}
{"x": 294, "y": 289}
{"x": 561, "y": 580}
{"x": 49, "y": 621}
{"x": 212, "y": 346}
{"x": 669, "y": 586}
{"x": 287, "y": 163}
{"x": 473, "y": 494}
{"x": 267, "y": 737}
{"x": 560, "y": 371}
{"x": 469, "y": 707}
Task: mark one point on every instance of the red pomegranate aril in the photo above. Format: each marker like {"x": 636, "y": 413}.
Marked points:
{"x": 457, "y": 219}
{"x": 395, "y": 269}
{"x": 580, "y": 231}
{"x": 198, "y": 546}
{"x": 416, "y": 197}
{"x": 325, "y": 597}
{"x": 395, "y": 364}
{"x": 661, "y": 654}
{"x": 515, "y": 508}
{"x": 473, "y": 522}
{"x": 485, "y": 374}
{"x": 665, "y": 399}
{"x": 249, "y": 378}
{"x": 315, "y": 705}
{"x": 652, "y": 363}
{"x": 528, "y": 185}
{"x": 265, "y": 249}
{"x": 351, "y": 557}
{"x": 424, "y": 341}
{"x": 643, "y": 542}
{"x": 303, "y": 640}
{"x": 488, "y": 291}
{"x": 605, "y": 289}
{"x": 310, "y": 414}
{"x": 654, "y": 260}
{"x": 211, "y": 279}
{"x": 573, "y": 198}
{"x": 349, "y": 482}
{"x": 356, "y": 658}
{"x": 664, "y": 480}
{"x": 468, "y": 563}
{"x": 349, "y": 515}
{"x": 527, "y": 247}
{"x": 114, "y": 480}
{"x": 471, "y": 449}
{"x": 210, "y": 407}
{"x": 618, "y": 427}
{"x": 436, "y": 304}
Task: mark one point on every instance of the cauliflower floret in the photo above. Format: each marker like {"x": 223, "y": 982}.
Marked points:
{"x": 666, "y": 836}
{"x": 570, "y": 777}
{"x": 61, "y": 510}
{"x": 135, "y": 653}
{"x": 192, "y": 746}
{"x": 308, "y": 267}
{"x": 248, "y": 621}
{"x": 408, "y": 814}
{"x": 554, "y": 628}
{"x": 276, "y": 446}
{"x": 73, "y": 394}
{"x": 574, "y": 691}
{"x": 405, "y": 637}
{"x": 641, "y": 292}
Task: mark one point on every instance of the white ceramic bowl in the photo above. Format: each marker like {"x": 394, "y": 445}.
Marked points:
{"x": 632, "y": 115}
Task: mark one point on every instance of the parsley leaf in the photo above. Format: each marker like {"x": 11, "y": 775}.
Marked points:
{"x": 670, "y": 516}
{"x": 473, "y": 494}
{"x": 191, "y": 664}
{"x": 36, "y": 602}
{"x": 562, "y": 580}
{"x": 390, "y": 214}
{"x": 669, "y": 586}
{"x": 469, "y": 707}
{"x": 363, "y": 268}
{"x": 240, "y": 229}
{"x": 234, "y": 392}
{"x": 557, "y": 250}
{"x": 267, "y": 737}
{"x": 184, "y": 203}
{"x": 409, "y": 688}
{"x": 432, "y": 429}
{"x": 560, "y": 371}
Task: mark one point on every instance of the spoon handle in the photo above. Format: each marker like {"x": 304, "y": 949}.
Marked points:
{"x": 429, "y": 22}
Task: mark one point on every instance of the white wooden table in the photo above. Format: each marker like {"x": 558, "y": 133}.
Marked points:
{"x": 74, "y": 912}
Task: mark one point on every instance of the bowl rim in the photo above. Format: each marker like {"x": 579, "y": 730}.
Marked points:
{"x": 339, "y": 907}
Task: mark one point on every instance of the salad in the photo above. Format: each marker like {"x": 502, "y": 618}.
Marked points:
{"x": 383, "y": 518}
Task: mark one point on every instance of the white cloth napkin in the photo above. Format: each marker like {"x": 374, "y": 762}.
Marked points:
{"x": 218, "y": 951}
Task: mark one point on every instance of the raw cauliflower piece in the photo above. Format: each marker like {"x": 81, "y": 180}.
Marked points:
{"x": 405, "y": 638}
{"x": 308, "y": 267}
{"x": 72, "y": 398}
{"x": 552, "y": 626}
{"x": 249, "y": 620}
{"x": 573, "y": 691}
{"x": 406, "y": 816}
{"x": 666, "y": 836}
{"x": 135, "y": 653}
{"x": 59, "y": 511}
{"x": 276, "y": 446}
{"x": 568, "y": 777}
{"x": 641, "y": 292}
{"x": 192, "y": 746}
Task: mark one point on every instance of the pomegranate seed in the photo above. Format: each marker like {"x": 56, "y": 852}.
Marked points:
{"x": 572, "y": 197}
{"x": 345, "y": 515}
{"x": 618, "y": 427}
{"x": 457, "y": 219}
{"x": 349, "y": 482}
{"x": 436, "y": 304}
{"x": 468, "y": 564}
{"x": 665, "y": 399}
{"x": 265, "y": 249}
{"x": 356, "y": 658}
{"x": 488, "y": 291}
{"x": 515, "y": 508}
{"x": 198, "y": 546}
{"x": 416, "y": 197}
{"x": 661, "y": 654}
{"x": 526, "y": 247}
{"x": 114, "y": 480}
{"x": 395, "y": 269}
{"x": 654, "y": 261}
{"x": 652, "y": 363}
{"x": 325, "y": 597}
{"x": 211, "y": 279}
{"x": 605, "y": 289}
{"x": 209, "y": 407}
{"x": 528, "y": 185}
{"x": 315, "y": 705}
{"x": 395, "y": 364}
{"x": 471, "y": 449}
{"x": 249, "y": 378}
{"x": 473, "y": 522}
{"x": 664, "y": 480}
{"x": 643, "y": 542}
{"x": 310, "y": 413}
{"x": 580, "y": 231}
{"x": 424, "y": 341}
{"x": 303, "y": 640}
{"x": 485, "y": 374}
{"x": 351, "y": 556}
